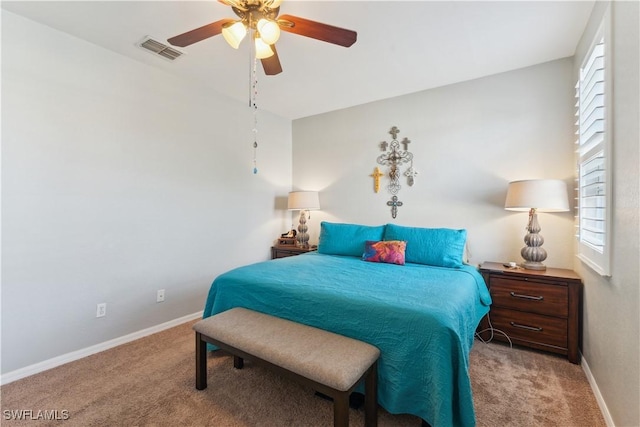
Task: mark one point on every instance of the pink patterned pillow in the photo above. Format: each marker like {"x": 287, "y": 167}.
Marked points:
{"x": 387, "y": 251}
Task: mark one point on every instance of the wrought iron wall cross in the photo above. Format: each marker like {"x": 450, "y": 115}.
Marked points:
{"x": 393, "y": 158}
{"x": 395, "y": 204}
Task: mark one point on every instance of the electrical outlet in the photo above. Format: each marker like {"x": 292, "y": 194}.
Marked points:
{"x": 101, "y": 310}
{"x": 160, "y": 295}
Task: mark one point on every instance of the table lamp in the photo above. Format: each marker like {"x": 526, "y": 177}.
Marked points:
{"x": 533, "y": 195}
{"x": 304, "y": 201}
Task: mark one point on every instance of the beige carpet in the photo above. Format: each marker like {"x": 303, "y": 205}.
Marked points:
{"x": 150, "y": 382}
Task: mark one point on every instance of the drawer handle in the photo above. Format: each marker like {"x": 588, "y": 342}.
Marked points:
{"x": 529, "y": 297}
{"x": 528, "y": 328}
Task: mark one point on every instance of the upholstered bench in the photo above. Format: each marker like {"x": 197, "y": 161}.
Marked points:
{"x": 329, "y": 363}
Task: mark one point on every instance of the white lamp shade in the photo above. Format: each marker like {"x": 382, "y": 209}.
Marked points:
{"x": 234, "y": 33}
{"x": 269, "y": 31}
{"x": 263, "y": 50}
{"x": 544, "y": 195}
{"x": 303, "y": 200}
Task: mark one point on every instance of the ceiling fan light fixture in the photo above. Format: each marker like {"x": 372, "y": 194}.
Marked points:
{"x": 234, "y": 33}
{"x": 269, "y": 30}
{"x": 266, "y": 34}
{"x": 263, "y": 50}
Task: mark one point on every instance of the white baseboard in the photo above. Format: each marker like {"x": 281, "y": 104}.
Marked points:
{"x": 596, "y": 391}
{"x": 79, "y": 354}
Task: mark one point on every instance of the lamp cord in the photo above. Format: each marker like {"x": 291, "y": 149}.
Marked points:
{"x": 491, "y": 329}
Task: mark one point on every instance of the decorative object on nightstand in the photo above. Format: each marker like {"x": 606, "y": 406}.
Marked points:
{"x": 537, "y": 309}
{"x": 304, "y": 201}
{"x": 533, "y": 195}
{"x": 287, "y": 239}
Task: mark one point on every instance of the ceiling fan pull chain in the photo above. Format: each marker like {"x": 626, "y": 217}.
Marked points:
{"x": 254, "y": 95}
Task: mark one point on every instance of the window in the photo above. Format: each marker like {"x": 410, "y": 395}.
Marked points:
{"x": 593, "y": 95}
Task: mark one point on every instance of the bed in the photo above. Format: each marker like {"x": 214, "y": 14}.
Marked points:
{"x": 422, "y": 317}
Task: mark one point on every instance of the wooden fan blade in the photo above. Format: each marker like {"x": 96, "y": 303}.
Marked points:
{"x": 319, "y": 31}
{"x": 199, "y": 34}
{"x": 271, "y": 65}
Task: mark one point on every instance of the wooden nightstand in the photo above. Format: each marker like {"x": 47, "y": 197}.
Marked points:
{"x": 537, "y": 309}
{"x": 285, "y": 251}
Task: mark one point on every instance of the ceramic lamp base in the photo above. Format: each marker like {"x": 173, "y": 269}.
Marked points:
{"x": 533, "y": 265}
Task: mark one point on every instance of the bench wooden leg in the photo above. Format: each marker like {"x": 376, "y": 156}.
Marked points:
{"x": 371, "y": 396}
{"x": 341, "y": 410}
{"x": 238, "y": 362}
{"x": 201, "y": 362}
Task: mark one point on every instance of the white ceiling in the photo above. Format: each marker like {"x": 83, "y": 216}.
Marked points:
{"x": 402, "y": 47}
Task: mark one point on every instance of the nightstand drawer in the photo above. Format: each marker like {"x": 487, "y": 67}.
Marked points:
{"x": 289, "y": 250}
{"x": 284, "y": 254}
{"x": 532, "y": 328}
{"x": 540, "y": 298}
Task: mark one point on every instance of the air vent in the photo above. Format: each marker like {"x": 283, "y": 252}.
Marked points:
{"x": 160, "y": 49}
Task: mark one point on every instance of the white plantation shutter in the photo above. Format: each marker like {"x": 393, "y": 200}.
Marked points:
{"x": 594, "y": 183}
{"x": 593, "y": 202}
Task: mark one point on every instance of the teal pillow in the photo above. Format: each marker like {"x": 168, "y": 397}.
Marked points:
{"x": 442, "y": 247}
{"x": 346, "y": 239}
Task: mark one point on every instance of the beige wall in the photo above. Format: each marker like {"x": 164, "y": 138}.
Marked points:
{"x": 118, "y": 180}
{"x": 612, "y": 305}
{"x": 468, "y": 140}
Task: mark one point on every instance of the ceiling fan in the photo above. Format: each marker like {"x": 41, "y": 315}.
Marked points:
{"x": 261, "y": 18}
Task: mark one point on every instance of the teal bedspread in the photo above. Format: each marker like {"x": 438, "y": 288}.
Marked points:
{"x": 422, "y": 319}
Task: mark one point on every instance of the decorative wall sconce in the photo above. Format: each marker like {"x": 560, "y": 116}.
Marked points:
{"x": 393, "y": 158}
